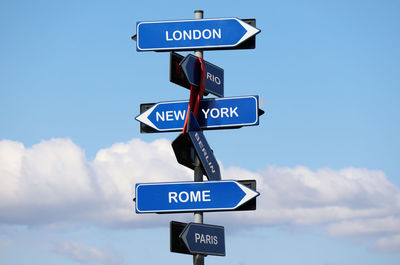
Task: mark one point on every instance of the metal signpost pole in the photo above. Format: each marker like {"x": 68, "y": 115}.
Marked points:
{"x": 198, "y": 259}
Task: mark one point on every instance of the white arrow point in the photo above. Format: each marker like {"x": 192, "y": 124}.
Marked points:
{"x": 183, "y": 235}
{"x": 250, "y": 31}
{"x": 249, "y": 194}
{"x": 144, "y": 117}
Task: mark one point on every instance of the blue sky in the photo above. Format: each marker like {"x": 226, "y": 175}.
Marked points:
{"x": 325, "y": 155}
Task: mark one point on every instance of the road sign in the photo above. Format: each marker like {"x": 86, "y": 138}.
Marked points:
{"x": 214, "y": 113}
{"x": 192, "y": 34}
{"x": 214, "y": 75}
{"x": 173, "y": 197}
{"x": 204, "y": 239}
{"x": 196, "y": 139}
{"x": 206, "y": 155}
{"x": 250, "y": 43}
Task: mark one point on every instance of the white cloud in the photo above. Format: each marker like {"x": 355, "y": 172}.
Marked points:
{"x": 41, "y": 183}
{"x": 53, "y": 183}
{"x": 86, "y": 254}
{"x": 302, "y": 196}
{"x": 389, "y": 244}
{"x": 368, "y": 226}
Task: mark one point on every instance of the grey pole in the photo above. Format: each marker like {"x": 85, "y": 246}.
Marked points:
{"x": 198, "y": 259}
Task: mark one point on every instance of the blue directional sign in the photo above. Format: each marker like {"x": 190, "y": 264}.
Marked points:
{"x": 175, "y": 197}
{"x": 204, "y": 239}
{"x": 205, "y": 154}
{"x": 221, "y": 113}
{"x": 214, "y": 75}
{"x": 192, "y": 34}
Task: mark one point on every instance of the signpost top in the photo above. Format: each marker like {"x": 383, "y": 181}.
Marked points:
{"x": 192, "y": 34}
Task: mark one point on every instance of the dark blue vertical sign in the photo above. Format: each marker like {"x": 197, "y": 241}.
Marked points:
{"x": 214, "y": 75}
{"x": 208, "y": 161}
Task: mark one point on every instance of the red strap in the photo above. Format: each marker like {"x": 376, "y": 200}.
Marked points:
{"x": 202, "y": 84}
{"x": 196, "y": 93}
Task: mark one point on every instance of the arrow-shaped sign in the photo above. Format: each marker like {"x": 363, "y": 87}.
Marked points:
{"x": 206, "y": 155}
{"x": 220, "y": 113}
{"x": 214, "y": 75}
{"x": 204, "y": 239}
{"x": 173, "y": 197}
{"x": 192, "y": 34}
{"x": 195, "y": 138}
